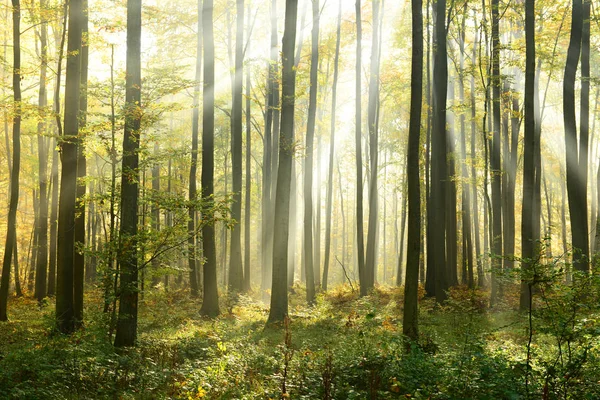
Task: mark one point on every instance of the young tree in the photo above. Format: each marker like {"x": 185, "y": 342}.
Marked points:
{"x": 210, "y": 302}
{"x": 436, "y": 227}
{"x": 42, "y": 226}
{"x": 65, "y": 312}
{"x": 279, "y": 299}
{"x": 328, "y": 213}
{"x": 11, "y": 232}
{"x": 373, "y": 116}
{"x": 528, "y": 216}
{"x": 126, "y": 333}
{"x": 576, "y": 157}
{"x": 410, "y": 324}
{"x": 360, "y": 237}
{"x": 236, "y": 272}
{"x": 192, "y": 251}
{"x": 308, "y": 162}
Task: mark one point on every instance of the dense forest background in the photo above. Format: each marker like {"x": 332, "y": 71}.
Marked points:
{"x": 417, "y": 182}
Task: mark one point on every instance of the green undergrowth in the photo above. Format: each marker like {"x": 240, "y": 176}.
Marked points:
{"x": 344, "y": 347}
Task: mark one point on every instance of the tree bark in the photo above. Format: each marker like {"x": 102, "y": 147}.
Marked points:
{"x": 360, "y": 237}
{"x": 279, "y": 298}
{"x": 65, "y": 311}
{"x": 126, "y": 333}
{"x": 410, "y": 324}
{"x": 11, "y": 233}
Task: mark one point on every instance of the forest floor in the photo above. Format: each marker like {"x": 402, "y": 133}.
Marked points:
{"x": 344, "y": 347}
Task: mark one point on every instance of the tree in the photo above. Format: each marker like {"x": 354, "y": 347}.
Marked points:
{"x": 360, "y": 237}
{"x": 236, "y": 272}
{"x": 279, "y": 299}
{"x": 65, "y": 312}
{"x": 528, "y": 216}
{"x": 192, "y": 251}
{"x": 42, "y": 227}
{"x": 373, "y": 117}
{"x": 436, "y": 226}
{"x": 576, "y": 157}
{"x": 126, "y": 333}
{"x": 79, "y": 257}
{"x": 11, "y": 232}
{"x": 308, "y": 162}
{"x": 210, "y": 302}
{"x": 329, "y": 200}
{"x": 410, "y": 324}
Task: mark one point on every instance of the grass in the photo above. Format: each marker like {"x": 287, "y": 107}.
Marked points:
{"x": 344, "y": 347}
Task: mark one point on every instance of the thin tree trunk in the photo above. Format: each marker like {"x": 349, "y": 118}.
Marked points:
{"x": 210, "y": 303}
{"x": 360, "y": 237}
{"x": 11, "y": 234}
{"x": 279, "y": 299}
{"x": 126, "y": 332}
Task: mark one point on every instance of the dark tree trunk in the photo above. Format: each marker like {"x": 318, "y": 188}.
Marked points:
{"x": 210, "y": 303}
{"x": 65, "y": 311}
{"x": 236, "y": 271}
{"x": 410, "y": 326}
{"x": 11, "y": 233}
{"x": 79, "y": 257}
{"x": 495, "y": 167}
{"x": 439, "y": 174}
{"x": 360, "y": 237}
{"x": 279, "y": 298}
{"x": 373, "y": 111}
{"x": 192, "y": 251}
{"x": 42, "y": 141}
{"x": 248, "y": 193}
{"x": 528, "y": 234}
{"x": 308, "y": 162}
{"x": 576, "y": 157}
{"x": 126, "y": 333}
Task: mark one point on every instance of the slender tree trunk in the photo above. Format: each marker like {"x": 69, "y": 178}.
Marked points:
{"x": 495, "y": 161}
{"x": 329, "y": 200}
{"x": 65, "y": 311}
{"x": 308, "y": 162}
{"x": 279, "y": 298}
{"x": 439, "y": 174}
{"x": 360, "y": 237}
{"x": 576, "y": 157}
{"x": 373, "y": 111}
{"x": 248, "y": 193}
{"x": 410, "y": 324}
{"x": 528, "y": 224}
{"x": 236, "y": 271}
{"x": 210, "y": 303}
{"x": 79, "y": 257}
{"x": 42, "y": 227}
{"x": 126, "y": 333}
{"x": 11, "y": 234}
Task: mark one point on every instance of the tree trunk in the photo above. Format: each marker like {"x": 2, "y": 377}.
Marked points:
{"x": 11, "y": 233}
{"x": 373, "y": 117}
{"x": 210, "y": 303}
{"x": 79, "y": 257}
{"x": 236, "y": 271}
{"x": 360, "y": 237}
{"x": 65, "y": 311}
{"x": 495, "y": 161}
{"x": 192, "y": 193}
{"x": 410, "y": 324}
{"x": 126, "y": 333}
{"x": 439, "y": 174}
{"x": 308, "y": 163}
{"x": 42, "y": 227}
{"x": 576, "y": 176}
{"x": 279, "y": 298}
{"x": 528, "y": 224}
{"x": 248, "y": 193}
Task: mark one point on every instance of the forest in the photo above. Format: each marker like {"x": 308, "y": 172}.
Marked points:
{"x": 299, "y": 199}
